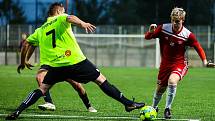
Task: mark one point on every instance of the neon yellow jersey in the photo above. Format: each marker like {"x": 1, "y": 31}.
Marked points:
{"x": 58, "y": 46}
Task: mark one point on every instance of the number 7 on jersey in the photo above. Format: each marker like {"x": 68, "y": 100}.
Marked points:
{"x": 52, "y": 32}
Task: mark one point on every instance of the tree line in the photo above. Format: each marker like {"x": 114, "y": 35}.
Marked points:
{"x": 121, "y": 12}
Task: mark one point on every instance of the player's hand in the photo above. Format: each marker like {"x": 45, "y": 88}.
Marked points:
{"x": 20, "y": 67}
{"x": 152, "y": 28}
{"x": 88, "y": 27}
{"x": 28, "y": 65}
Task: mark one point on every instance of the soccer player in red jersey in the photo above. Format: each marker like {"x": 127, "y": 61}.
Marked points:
{"x": 174, "y": 39}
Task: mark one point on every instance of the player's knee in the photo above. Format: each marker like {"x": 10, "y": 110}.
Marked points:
{"x": 172, "y": 81}
{"x": 39, "y": 79}
{"x": 40, "y": 75}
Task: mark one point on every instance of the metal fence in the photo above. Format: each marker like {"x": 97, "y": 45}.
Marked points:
{"x": 108, "y": 46}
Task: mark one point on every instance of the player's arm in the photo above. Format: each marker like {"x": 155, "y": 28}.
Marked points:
{"x": 78, "y": 22}
{"x": 27, "y": 50}
{"x": 194, "y": 43}
{"x": 24, "y": 51}
{"x": 30, "y": 51}
{"x": 153, "y": 31}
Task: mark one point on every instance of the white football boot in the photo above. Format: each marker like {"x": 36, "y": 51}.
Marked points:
{"x": 92, "y": 109}
{"x": 47, "y": 106}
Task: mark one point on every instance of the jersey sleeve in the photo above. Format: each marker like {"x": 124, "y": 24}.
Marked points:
{"x": 155, "y": 34}
{"x": 193, "y": 42}
{"x": 63, "y": 19}
{"x": 33, "y": 38}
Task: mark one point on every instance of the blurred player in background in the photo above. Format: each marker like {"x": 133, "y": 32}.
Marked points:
{"x": 174, "y": 39}
{"x": 23, "y": 39}
{"x": 47, "y": 97}
{"x": 66, "y": 60}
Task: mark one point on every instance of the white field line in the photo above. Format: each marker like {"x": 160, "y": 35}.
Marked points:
{"x": 178, "y": 119}
{"x": 69, "y": 116}
{"x": 97, "y": 117}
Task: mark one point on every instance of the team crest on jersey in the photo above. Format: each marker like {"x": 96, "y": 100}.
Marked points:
{"x": 67, "y": 53}
{"x": 171, "y": 43}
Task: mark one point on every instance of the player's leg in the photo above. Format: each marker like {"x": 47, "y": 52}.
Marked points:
{"x": 47, "y": 97}
{"x": 82, "y": 94}
{"x": 171, "y": 92}
{"x": 115, "y": 93}
{"x": 162, "y": 83}
{"x": 177, "y": 74}
{"x": 171, "y": 89}
{"x": 158, "y": 95}
{"x": 85, "y": 71}
{"x": 30, "y": 100}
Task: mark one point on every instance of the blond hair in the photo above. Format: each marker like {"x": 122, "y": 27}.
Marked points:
{"x": 178, "y": 13}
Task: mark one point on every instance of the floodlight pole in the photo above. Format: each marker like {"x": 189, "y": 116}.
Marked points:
{"x": 67, "y": 3}
{"x": 7, "y": 43}
{"x": 36, "y": 13}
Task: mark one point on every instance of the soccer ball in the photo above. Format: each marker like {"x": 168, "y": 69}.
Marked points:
{"x": 147, "y": 113}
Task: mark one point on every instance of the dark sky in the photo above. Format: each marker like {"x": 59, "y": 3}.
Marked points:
{"x": 29, "y": 7}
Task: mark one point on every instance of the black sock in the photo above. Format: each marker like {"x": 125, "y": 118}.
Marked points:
{"x": 85, "y": 100}
{"x": 113, "y": 92}
{"x": 30, "y": 100}
{"x": 47, "y": 97}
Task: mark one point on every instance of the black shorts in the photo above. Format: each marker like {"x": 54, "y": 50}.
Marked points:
{"x": 44, "y": 67}
{"x": 82, "y": 72}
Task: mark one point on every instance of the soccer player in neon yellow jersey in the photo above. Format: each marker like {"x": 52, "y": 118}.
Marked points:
{"x": 47, "y": 97}
{"x": 66, "y": 59}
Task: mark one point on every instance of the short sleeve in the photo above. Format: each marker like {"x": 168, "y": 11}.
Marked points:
{"x": 33, "y": 38}
{"x": 63, "y": 20}
{"x": 63, "y": 17}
